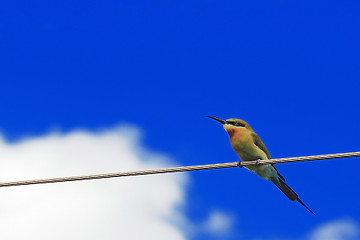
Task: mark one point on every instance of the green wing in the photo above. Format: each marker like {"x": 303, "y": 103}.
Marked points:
{"x": 261, "y": 145}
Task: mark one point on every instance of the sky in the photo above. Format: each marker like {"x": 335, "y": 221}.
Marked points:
{"x": 91, "y": 87}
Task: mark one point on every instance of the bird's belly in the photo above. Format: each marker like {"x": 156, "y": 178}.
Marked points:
{"x": 265, "y": 171}
{"x": 248, "y": 153}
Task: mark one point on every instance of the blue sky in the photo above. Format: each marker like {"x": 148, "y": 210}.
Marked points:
{"x": 291, "y": 69}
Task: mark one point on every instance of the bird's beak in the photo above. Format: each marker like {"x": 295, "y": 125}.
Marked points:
{"x": 218, "y": 119}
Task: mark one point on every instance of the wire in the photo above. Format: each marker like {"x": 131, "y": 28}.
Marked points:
{"x": 181, "y": 169}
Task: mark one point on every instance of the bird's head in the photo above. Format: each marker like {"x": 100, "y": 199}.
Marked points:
{"x": 232, "y": 125}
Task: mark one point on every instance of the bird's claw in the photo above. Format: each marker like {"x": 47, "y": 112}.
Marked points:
{"x": 258, "y": 162}
{"x": 239, "y": 164}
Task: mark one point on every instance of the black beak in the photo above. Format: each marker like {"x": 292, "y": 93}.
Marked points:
{"x": 218, "y": 119}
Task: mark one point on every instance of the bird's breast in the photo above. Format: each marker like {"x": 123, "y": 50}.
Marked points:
{"x": 244, "y": 146}
{"x": 240, "y": 138}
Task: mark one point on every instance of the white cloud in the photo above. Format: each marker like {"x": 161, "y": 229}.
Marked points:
{"x": 337, "y": 230}
{"x": 219, "y": 223}
{"x": 147, "y": 207}
{"x": 341, "y": 229}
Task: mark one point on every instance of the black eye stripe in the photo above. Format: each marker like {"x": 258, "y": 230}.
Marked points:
{"x": 236, "y": 124}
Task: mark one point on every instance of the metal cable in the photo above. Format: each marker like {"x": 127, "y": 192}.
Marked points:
{"x": 181, "y": 169}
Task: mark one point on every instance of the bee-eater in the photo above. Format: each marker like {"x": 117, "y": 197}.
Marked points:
{"x": 248, "y": 145}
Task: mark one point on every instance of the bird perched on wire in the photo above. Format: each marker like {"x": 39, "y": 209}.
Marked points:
{"x": 248, "y": 145}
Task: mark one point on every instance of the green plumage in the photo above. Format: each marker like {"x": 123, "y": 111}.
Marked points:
{"x": 248, "y": 145}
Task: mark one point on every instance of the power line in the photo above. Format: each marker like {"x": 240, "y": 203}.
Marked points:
{"x": 181, "y": 169}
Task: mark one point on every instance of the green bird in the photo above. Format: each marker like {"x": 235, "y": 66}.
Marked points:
{"x": 248, "y": 145}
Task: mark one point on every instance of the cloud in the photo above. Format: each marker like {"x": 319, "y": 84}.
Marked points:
{"x": 341, "y": 229}
{"x": 219, "y": 223}
{"x": 147, "y": 207}
{"x": 337, "y": 230}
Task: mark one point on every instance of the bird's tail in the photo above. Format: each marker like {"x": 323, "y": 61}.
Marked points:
{"x": 290, "y": 193}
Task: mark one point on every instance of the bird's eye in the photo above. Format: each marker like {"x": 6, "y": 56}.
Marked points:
{"x": 236, "y": 124}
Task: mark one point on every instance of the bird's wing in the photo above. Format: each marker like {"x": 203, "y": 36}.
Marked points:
{"x": 261, "y": 145}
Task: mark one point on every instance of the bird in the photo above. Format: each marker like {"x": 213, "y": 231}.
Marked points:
{"x": 249, "y": 147}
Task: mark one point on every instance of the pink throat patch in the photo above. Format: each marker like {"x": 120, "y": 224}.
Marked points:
{"x": 234, "y": 132}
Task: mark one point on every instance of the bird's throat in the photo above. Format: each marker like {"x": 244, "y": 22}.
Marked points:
{"x": 234, "y": 133}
